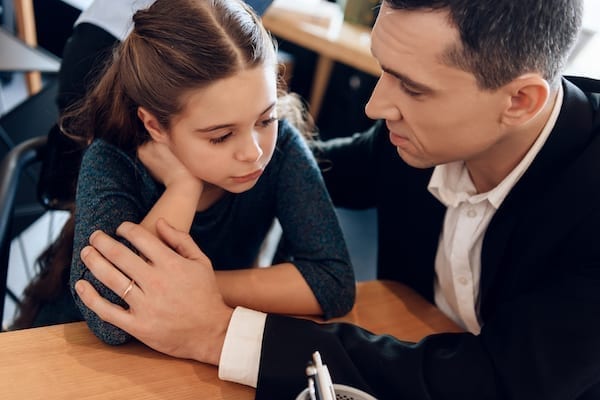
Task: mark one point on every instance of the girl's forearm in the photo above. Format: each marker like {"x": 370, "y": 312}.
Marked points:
{"x": 177, "y": 206}
{"x": 279, "y": 289}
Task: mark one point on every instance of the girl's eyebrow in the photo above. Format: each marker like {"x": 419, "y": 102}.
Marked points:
{"x": 226, "y": 126}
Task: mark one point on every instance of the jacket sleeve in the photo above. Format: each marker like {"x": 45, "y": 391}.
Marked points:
{"x": 386, "y": 367}
{"x": 349, "y": 166}
{"x": 543, "y": 345}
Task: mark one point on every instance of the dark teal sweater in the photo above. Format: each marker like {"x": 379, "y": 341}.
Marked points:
{"x": 114, "y": 186}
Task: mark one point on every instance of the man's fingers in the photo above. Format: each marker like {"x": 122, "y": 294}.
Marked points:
{"x": 111, "y": 252}
{"x": 106, "y": 273}
{"x": 143, "y": 240}
{"x": 179, "y": 241}
{"x": 105, "y": 310}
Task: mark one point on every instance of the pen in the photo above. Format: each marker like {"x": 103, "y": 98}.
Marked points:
{"x": 311, "y": 373}
{"x": 311, "y": 389}
{"x": 323, "y": 380}
{"x": 329, "y": 382}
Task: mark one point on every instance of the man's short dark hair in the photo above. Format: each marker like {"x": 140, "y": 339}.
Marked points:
{"x": 503, "y": 39}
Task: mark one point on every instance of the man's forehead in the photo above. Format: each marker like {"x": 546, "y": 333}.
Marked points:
{"x": 425, "y": 31}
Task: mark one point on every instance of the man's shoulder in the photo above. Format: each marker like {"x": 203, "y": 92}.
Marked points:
{"x": 589, "y": 86}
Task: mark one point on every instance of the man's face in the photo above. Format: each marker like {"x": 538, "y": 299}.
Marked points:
{"x": 435, "y": 112}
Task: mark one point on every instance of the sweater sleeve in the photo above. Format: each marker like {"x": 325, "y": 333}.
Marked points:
{"x": 313, "y": 239}
{"x": 108, "y": 193}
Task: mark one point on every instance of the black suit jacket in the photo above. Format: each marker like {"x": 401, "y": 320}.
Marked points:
{"x": 539, "y": 287}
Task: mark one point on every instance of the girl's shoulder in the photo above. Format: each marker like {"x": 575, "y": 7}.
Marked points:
{"x": 286, "y": 129}
{"x": 101, "y": 155}
{"x": 289, "y": 135}
{"x": 291, "y": 148}
{"x": 104, "y": 151}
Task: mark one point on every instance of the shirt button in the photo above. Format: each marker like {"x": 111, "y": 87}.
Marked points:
{"x": 463, "y": 280}
{"x": 471, "y": 213}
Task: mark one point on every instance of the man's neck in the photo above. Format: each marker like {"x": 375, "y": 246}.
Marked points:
{"x": 490, "y": 168}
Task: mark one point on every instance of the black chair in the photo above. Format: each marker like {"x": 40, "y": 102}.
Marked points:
{"x": 14, "y": 164}
{"x": 23, "y": 138}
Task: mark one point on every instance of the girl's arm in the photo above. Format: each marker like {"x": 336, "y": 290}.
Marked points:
{"x": 177, "y": 205}
{"x": 110, "y": 190}
{"x": 315, "y": 277}
{"x": 277, "y": 289}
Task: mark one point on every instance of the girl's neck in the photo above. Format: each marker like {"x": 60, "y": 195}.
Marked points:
{"x": 210, "y": 195}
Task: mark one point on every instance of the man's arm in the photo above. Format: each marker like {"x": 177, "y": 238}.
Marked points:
{"x": 540, "y": 345}
{"x": 378, "y": 364}
{"x": 349, "y": 166}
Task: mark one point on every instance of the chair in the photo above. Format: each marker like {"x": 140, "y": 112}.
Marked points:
{"x": 22, "y": 147}
{"x": 11, "y": 168}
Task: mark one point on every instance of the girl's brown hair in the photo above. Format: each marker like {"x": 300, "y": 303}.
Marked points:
{"x": 176, "y": 46}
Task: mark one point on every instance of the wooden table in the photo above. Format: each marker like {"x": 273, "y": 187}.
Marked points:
{"x": 350, "y": 45}
{"x": 68, "y": 362}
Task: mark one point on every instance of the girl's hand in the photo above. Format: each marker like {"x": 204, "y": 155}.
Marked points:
{"x": 164, "y": 166}
{"x": 178, "y": 204}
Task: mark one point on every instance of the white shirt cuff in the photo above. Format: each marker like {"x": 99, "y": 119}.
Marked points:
{"x": 240, "y": 357}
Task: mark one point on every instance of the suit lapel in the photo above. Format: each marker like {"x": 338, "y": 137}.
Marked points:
{"x": 568, "y": 139}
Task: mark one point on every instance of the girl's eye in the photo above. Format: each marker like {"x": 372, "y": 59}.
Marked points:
{"x": 266, "y": 122}
{"x": 220, "y": 139}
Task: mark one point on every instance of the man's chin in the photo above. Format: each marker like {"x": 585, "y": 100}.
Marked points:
{"x": 415, "y": 162}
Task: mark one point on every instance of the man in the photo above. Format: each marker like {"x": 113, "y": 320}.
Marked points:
{"x": 501, "y": 234}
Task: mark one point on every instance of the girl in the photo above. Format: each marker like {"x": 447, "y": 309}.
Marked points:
{"x": 184, "y": 127}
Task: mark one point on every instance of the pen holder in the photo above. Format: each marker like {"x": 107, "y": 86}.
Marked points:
{"x": 342, "y": 392}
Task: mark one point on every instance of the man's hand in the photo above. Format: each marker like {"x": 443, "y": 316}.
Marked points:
{"x": 175, "y": 306}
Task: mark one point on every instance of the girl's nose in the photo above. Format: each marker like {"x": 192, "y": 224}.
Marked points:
{"x": 250, "y": 149}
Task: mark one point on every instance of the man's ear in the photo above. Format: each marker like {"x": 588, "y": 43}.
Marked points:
{"x": 528, "y": 95}
{"x": 154, "y": 128}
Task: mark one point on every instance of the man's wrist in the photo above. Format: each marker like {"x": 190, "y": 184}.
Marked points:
{"x": 212, "y": 344}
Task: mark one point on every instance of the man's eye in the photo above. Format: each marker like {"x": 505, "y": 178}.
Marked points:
{"x": 409, "y": 91}
{"x": 220, "y": 139}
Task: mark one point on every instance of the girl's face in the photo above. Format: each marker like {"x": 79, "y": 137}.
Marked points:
{"x": 226, "y": 133}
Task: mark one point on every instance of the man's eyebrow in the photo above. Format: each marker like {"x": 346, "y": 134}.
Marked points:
{"x": 407, "y": 81}
{"x": 225, "y": 126}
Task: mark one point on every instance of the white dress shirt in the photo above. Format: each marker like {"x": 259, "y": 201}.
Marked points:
{"x": 114, "y": 16}
{"x": 457, "y": 263}
{"x": 468, "y": 215}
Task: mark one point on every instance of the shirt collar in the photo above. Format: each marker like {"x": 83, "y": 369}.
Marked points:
{"x": 451, "y": 184}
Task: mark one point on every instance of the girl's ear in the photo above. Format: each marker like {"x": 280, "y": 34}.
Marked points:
{"x": 154, "y": 128}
